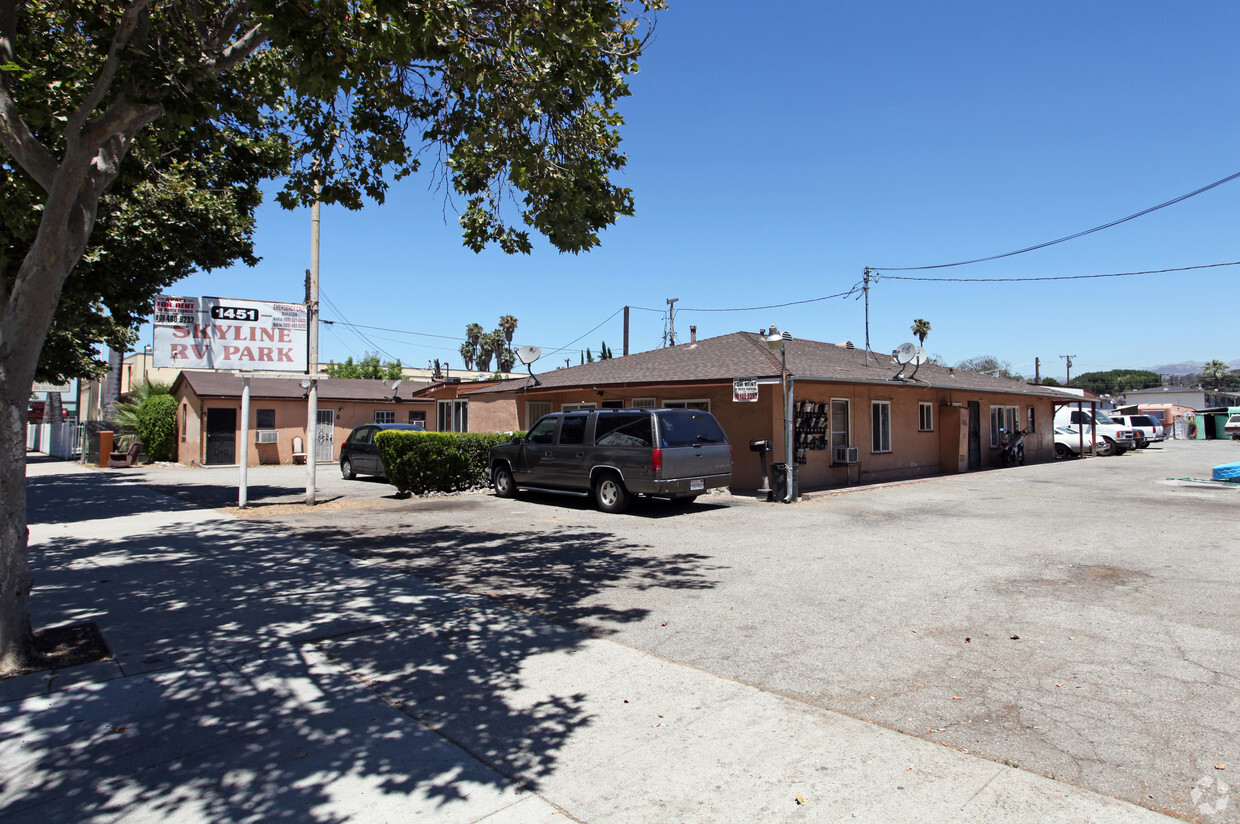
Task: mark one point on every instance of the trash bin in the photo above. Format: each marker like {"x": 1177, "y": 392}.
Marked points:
{"x": 779, "y": 482}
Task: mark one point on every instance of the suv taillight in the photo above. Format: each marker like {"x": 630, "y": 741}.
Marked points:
{"x": 656, "y": 460}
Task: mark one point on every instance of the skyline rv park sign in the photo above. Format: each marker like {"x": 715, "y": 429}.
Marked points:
{"x": 230, "y": 334}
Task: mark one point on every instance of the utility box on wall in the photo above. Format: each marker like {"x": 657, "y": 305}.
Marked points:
{"x": 953, "y": 439}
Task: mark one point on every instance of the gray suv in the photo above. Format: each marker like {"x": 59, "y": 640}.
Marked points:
{"x": 613, "y": 454}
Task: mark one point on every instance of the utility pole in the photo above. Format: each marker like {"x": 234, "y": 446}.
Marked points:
{"x": 866, "y": 289}
{"x": 626, "y": 330}
{"x": 670, "y": 338}
{"x": 1068, "y": 377}
{"x": 312, "y": 368}
{"x": 1037, "y": 371}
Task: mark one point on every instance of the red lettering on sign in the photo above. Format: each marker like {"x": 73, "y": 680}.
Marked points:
{"x": 285, "y": 355}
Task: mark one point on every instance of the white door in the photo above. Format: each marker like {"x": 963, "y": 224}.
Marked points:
{"x": 325, "y": 436}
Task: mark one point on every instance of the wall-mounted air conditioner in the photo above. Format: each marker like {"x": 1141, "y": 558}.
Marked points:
{"x": 267, "y": 436}
{"x": 845, "y": 455}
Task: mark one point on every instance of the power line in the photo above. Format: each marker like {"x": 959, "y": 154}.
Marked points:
{"x": 880, "y": 276}
{"x": 849, "y": 293}
{"x": 1141, "y": 213}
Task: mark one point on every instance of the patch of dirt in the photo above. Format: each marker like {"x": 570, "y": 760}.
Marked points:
{"x": 69, "y": 646}
{"x": 264, "y": 510}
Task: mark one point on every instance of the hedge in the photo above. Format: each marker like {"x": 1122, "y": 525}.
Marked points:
{"x": 157, "y": 427}
{"x": 421, "y": 462}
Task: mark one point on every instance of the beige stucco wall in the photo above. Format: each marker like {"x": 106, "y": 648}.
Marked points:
{"x": 290, "y": 423}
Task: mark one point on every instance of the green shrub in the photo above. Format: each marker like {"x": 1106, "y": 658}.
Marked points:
{"x": 157, "y": 427}
{"x": 421, "y": 462}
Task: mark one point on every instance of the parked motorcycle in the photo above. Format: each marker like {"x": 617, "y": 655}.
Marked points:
{"x": 1012, "y": 445}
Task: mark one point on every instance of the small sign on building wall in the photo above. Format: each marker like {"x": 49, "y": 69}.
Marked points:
{"x": 744, "y": 390}
{"x": 230, "y": 334}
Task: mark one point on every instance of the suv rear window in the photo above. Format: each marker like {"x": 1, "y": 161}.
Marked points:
{"x": 1141, "y": 420}
{"x": 689, "y": 428}
{"x": 624, "y": 430}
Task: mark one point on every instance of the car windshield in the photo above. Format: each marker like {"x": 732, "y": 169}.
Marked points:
{"x": 1101, "y": 417}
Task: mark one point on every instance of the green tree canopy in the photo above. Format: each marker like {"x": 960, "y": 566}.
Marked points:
{"x": 515, "y": 103}
{"x": 1116, "y": 381}
{"x": 368, "y": 367}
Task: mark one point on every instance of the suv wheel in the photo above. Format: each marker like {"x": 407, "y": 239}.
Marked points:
{"x": 346, "y": 469}
{"x": 1062, "y": 452}
{"x": 610, "y": 494}
{"x": 505, "y": 486}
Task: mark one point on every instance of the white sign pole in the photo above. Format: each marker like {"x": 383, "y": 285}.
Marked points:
{"x": 242, "y": 490}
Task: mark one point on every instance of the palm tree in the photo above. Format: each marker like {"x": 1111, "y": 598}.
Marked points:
{"x": 467, "y": 352}
{"x": 509, "y": 324}
{"x": 126, "y": 420}
{"x": 1216, "y": 370}
{"x": 921, "y": 328}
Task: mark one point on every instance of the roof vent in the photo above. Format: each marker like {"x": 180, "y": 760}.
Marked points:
{"x": 849, "y": 345}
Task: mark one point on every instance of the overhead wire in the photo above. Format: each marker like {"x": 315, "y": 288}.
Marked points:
{"x": 1141, "y": 213}
{"x": 881, "y": 276}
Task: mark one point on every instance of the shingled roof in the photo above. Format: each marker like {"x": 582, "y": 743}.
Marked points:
{"x": 228, "y": 385}
{"x": 745, "y": 355}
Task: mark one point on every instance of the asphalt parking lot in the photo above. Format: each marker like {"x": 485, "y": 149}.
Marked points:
{"x": 1077, "y": 620}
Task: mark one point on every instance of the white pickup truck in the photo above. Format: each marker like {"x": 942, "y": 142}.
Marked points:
{"x": 1100, "y": 426}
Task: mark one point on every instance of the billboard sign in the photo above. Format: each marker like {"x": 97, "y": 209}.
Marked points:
{"x": 230, "y": 334}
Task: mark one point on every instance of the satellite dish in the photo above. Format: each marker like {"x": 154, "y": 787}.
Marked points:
{"x": 396, "y": 386}
{"x": 906, "y": 352}
{"x": 527, "y": 355}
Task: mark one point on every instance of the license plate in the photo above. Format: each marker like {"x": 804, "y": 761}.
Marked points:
{"x": 694, "y": 486}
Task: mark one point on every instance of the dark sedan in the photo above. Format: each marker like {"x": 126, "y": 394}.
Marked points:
{"x": 360, "y": 456}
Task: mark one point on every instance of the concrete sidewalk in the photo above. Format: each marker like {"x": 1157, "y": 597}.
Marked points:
{"x": 257, "y": 678}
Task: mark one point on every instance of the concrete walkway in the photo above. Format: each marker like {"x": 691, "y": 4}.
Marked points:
{"x": 257, "y": 678}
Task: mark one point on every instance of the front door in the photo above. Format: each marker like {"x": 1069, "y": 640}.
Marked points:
{"x": 325, "y": 436}
{"x": 221, "y": 436}
{"x": 975, "y": 434}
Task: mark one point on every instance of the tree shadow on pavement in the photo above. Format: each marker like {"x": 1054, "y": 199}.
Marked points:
{"x": 256, "y": 678}
{"x": 562, "y": 574}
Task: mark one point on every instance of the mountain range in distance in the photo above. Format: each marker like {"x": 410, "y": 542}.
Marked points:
{"x": 1187, "y": 367}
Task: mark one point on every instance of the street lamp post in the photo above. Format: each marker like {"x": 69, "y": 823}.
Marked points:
{"x": 778, "y": 340}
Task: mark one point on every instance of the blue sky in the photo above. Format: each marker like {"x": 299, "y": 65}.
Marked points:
{"x": 775, "y": 151}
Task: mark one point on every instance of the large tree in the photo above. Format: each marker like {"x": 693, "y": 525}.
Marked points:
{"x": 513, "y": 102}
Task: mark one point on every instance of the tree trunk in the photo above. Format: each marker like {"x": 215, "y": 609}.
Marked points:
{"x": 16, "y": 636}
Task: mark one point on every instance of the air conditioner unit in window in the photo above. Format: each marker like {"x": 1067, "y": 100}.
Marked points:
{"x": 267, "y": 436}
{"x": 844, "y": 455}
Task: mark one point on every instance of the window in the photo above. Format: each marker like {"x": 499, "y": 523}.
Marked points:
{"x": 266, "y": 419}
{"x": 543, "y": 431}
{"x": 839, "y": 423}
{"x": 630, "y": 429}
{"x": 1031, "y": 427}
{"x": 184, "y": 420}
{"x": 573, "y": 407}
{"x": 703, "y": 405}
{"x": 418, "y": 417}
{"x": 925, "y": 416}
{"x": 880, "y": 426}
{"x": 1005, "y": 418}
{"x": 535, "y": 410}
{"x": 385, "y": 416}
{"x": 645, "y": 403}
{"x": 573, "y": 429}
{"x": 453, "y": 416}
{"x": 617, "y": 404}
